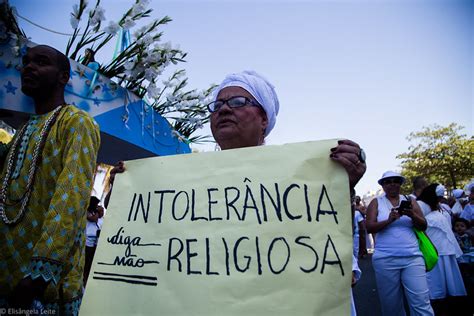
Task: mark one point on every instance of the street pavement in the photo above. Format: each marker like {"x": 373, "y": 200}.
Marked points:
{"x": 365, "y": 292}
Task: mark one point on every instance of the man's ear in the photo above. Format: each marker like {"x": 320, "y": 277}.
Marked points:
{"x": 64, "y": 77}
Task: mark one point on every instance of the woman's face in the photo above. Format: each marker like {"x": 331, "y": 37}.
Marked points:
{"x": 460, "y": 228}
{"x": 391, "y": 186}
{"x": 238, "y": 127}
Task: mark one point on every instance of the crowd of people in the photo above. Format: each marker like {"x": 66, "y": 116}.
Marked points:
{"x": 50, "y": 225}
{"x": 401, "y": 276}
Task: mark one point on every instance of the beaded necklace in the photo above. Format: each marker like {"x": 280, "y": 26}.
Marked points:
{"x": 31, "y": 172}
{"x": 30, "y": 128}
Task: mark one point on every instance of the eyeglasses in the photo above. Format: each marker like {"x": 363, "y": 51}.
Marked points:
{"x": 392, "y": 181}
{"x": 233, "y": 102}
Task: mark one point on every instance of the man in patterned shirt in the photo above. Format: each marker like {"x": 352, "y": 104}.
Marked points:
{"x": 46, "y": 185}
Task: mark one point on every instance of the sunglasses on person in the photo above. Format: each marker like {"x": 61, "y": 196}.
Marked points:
{"x": 232, "y": 102}
{"x": 392, "y": 181}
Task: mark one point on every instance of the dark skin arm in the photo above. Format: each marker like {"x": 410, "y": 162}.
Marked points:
{"x": 362, "y": 226}
{"x": 374, "y": 226}
{"x": 346, "y": 153}
{"x": 118, "y": 168}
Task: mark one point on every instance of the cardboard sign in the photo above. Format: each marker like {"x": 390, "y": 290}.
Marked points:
{"x": 254, "y": 231}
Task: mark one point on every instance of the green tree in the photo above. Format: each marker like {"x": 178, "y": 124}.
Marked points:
{"x": 440, "y": 154}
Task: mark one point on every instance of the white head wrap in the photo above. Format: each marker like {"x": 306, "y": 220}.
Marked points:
{"x": 469, "y": 187}
{"x": 259, "y": 87}
{"x": 457, "y": 193}
{"x": 440, "y": 190}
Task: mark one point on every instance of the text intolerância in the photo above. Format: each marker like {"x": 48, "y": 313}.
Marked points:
{"x": 257, "y": 203}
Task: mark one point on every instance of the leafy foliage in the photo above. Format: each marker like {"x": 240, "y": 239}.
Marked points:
{"x": 440, "y": 154}
{"x": 139, "y": 66}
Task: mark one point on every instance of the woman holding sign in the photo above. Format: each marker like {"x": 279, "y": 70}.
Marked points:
{"x": 398, "y": 262}
{"x": 244, "y": 112}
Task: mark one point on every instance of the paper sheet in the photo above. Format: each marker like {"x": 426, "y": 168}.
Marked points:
{"x": 253, "y": 231}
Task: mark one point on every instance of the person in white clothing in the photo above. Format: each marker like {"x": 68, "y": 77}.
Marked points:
{"x": 356, "y": 273}
{"x": 397, "y": 260}
{"x": 364, "y": 242}
{"x": 358, "y": 224}
{"x": 95, "y": 217}
{"x": 459, "y": 195}
{"x": 244, "y": 111}
{"x": 445, "y": 278}
{"x": 443, "y": 207}
{"x": 468, "y": 211}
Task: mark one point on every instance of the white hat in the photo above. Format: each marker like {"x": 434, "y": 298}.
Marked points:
{"x": 440, "y": 189}
{"x": 391, "y": 174}
{"x": 457, "y": 193}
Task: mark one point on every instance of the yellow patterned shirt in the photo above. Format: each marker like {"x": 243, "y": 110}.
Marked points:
{"x": 48, "y": 241}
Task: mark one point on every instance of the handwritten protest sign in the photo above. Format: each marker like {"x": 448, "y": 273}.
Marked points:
{"x": 253, "y": 231}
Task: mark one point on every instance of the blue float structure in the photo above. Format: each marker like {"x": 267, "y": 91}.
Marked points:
{"x": 130, "y": 128}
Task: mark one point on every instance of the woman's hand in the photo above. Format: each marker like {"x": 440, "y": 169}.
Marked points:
{"x": 118, "y": 168}
{"x": 394, "y": 215}
{"x": 372, "y": 224}
{"x": 347, "y": 154}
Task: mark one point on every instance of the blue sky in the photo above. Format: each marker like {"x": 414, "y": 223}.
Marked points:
{"x": 370, "y": 71}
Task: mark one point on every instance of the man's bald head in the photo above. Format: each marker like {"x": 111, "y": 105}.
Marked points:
{"x": 61, "y": 59}
{"x": 45, "y": 72}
